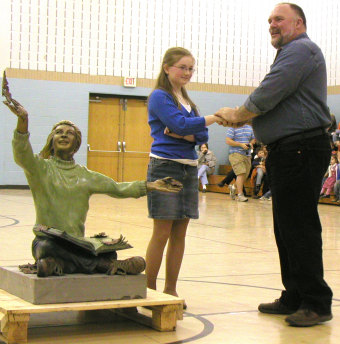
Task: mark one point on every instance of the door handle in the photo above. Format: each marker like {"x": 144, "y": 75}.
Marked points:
{"x": 125, "y": 151}
{"x": 101, "y": 151}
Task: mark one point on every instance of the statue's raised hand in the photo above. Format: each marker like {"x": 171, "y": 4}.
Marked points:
{"x": 17, "y": 109}
{"x": 11, "y": 103}
{"x": 167, "y": 184}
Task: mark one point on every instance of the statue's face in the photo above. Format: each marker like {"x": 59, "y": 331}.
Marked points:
{"x": 64, "y": 141}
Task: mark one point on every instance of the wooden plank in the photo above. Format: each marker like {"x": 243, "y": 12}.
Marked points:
{"x": 164, "y": 318}
{"x": 3, "y": 321}
{"x": 15, "y": 312}
{"x": 14, "y": 328}
{"x": 10, "y": 304}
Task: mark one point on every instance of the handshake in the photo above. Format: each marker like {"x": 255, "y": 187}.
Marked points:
{"x": 234, "y": 117}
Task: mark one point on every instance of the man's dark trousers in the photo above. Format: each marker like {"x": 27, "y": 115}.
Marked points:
{"x": 295, "y": 171}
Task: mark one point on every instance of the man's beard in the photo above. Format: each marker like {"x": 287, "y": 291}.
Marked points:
{"x": 278, "y": 43}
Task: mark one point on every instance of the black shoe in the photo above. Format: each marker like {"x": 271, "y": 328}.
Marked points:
{"x": 220, "y": 184}
{"x": 324, "y": 196}
{"x": 204, "y": 190}
{"x": 306, "y": 317}
{"x": 275, "y": 307}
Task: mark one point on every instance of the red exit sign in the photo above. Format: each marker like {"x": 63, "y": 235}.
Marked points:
{"x": 130, "y": 82}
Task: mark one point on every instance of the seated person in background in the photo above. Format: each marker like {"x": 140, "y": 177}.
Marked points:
{"x": 336, "y": 141}
{"x": 61, "y": 190}
{"x": 258, "y": 172}
{"x": 334, "y": 126}
{"x": 333, "y": 172}
{"x": 337, "y": 187}
{"x": 266, "y": 197}
{"x": 206, "y": 164}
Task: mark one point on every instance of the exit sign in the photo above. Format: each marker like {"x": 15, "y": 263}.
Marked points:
{"x": 130, "y": 82}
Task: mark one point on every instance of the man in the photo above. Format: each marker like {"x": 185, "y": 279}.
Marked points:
{"x": 289, "y": 114}
{"x": 240, "y": 141}
{"x": 61, "y": 190}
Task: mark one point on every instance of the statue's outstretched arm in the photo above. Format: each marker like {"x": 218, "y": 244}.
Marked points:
{"x": 167, "y": 184}
{"x": 15, "y": 107}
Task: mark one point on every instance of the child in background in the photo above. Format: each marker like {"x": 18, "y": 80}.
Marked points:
{"x": 258, "y": 172}
{"x": 332, "y": 177}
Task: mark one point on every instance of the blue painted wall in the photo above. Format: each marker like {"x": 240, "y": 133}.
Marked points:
{"x": 48, "y": 102}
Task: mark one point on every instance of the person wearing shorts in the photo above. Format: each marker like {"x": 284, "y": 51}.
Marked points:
{"x": 241, "y": 142}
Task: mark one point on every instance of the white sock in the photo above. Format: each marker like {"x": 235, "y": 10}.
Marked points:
{"x": 204, "y": 187}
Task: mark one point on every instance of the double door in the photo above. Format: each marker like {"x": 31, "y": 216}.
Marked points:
{"x": 119, "y": 138}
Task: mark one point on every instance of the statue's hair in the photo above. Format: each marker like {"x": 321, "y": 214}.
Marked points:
{"x": 48, "y": 150}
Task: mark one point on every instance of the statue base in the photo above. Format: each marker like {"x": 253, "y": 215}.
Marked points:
{"x": 71, "y": 288}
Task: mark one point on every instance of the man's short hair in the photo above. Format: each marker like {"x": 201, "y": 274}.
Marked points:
{"x": 298, "y": 10}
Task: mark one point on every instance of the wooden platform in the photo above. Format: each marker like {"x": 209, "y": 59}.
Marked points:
{"x": 15, "y": 312}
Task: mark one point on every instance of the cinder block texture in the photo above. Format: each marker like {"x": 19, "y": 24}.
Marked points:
{"x": 71, "y": 288}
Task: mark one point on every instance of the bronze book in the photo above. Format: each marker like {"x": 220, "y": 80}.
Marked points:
{"x": 99, "y": 243}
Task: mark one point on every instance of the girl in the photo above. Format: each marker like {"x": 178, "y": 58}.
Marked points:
{"x": 332, "y": 177}
{"x": 176, "y": 128}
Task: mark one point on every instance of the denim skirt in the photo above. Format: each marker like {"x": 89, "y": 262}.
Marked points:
{"x": 164, "y": 205}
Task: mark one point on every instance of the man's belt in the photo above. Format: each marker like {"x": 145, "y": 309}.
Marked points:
{"x": 300, "y": 136}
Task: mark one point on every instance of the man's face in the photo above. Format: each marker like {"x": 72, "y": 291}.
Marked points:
{"x": 64, "y": 140}
{"x": 284, "y": 25}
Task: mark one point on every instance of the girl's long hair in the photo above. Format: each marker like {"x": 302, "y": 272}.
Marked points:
{"x": 172, "y": 56}
{"x": 48, "y": 150}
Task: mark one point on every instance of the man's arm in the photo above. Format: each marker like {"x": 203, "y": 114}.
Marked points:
{"x": 236, "y": 117}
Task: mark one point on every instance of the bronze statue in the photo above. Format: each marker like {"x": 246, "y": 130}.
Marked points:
{"x": 61, "y": 190}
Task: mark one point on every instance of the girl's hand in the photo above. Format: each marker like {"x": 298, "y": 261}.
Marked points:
{"x": 168, "y": 132}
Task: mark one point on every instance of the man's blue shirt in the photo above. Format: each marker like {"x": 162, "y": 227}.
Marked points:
{"x": 293, "y": 93}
